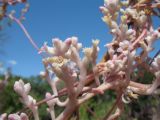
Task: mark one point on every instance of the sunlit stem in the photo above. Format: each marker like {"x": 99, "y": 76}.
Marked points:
{"x": 25, "y": 31}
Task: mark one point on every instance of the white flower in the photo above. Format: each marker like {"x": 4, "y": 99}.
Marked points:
{"x": 110, "y": 64}
{"x": 75, "y": 43}
{"x": 132, "y": 12}
{"x": 123, "y": 28}
{"x": 124, "y": 44}
{"x": 87, "y": 52}
{"x": 22, "y": 116}
{"x": 111, "y": 4}
{"x": 46, "y": 48}
{"x": 27, "y": 88}
{"x": 124, "y": 47}
{"x": 50, "y": 102}
{"x": 14, "y": 117}
{"x": 3, "y": 116}
{"x": 142, "y": 18}
{"x": 19, "y": 87}
{"x": 56, "y": 43}
{"x": 59, "y": 47}
{"x": 22, "y": 88}
{"x": 95, "y": 42}
{"x": 30, "y": 102}
{"x": 104, "y": 10}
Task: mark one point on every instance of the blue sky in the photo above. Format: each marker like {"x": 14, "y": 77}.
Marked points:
{"x": 48, "y": 19}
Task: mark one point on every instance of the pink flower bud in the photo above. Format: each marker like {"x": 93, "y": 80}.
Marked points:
{"x": 24, "y": 116}
{"x": 14, "y": 117}
{"x": 27, "y": 88}
{"x": 111, "y": 4}
{"x": 19, "y": 87}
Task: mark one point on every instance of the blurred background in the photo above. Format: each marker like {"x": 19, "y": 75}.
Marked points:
{"x": 47, "y": 19}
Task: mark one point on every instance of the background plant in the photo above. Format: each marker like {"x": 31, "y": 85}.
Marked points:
{"x": 120, "y": 70}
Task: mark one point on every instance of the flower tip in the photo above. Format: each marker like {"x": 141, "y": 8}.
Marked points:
{"x": 55, "y": 40}
{"x": 27, "y": 88}
{"x": 13, "y": 117}
{"x": 48, "y": 95}
{"x": 74, "y": 40}
{"x": 68, "y": 41}
{"x": 95, "y": 42}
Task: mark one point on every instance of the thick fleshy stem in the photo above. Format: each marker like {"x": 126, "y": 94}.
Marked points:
{"x": 36, "y": 116}
{"x": 139, "y": 38}
{"x": 52, "y": 113}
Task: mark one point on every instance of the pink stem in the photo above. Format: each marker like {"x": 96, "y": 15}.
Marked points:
{"x": 139, "y": 38}
{"x": 25, "y": 31}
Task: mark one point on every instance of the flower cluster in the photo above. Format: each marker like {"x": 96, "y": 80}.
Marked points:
{"x": 23, "y": 90}
{"x": 22, "y": 116}
{"x": 84, "y": 77}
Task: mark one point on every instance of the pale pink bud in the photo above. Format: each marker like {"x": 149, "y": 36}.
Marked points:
{"x": 22, "y": 88}
{"x": 68, "y": 41}
{"x": 57, "y": 43}
{"x": 104, "y": 10}
{"x": 50, "y": 102}
{"x": 27, "y": 88}
{"x": 19, "y": 87}
{"x": 24, "y": 116}
{"x": 31, "y": 100}
{"x": 14, "y": 117}
{"x": 111, "y": 4}
{"x": 3, "y": 116}
{"x": 75, "y": 43}
{"x": 66, "y": 45}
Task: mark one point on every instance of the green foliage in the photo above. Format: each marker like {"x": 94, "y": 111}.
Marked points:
{"x": 9, "y": 99}
{"x": 97, "y": 107}
{"x": 94, "y": 109}
{"x": 10, "y": 102}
